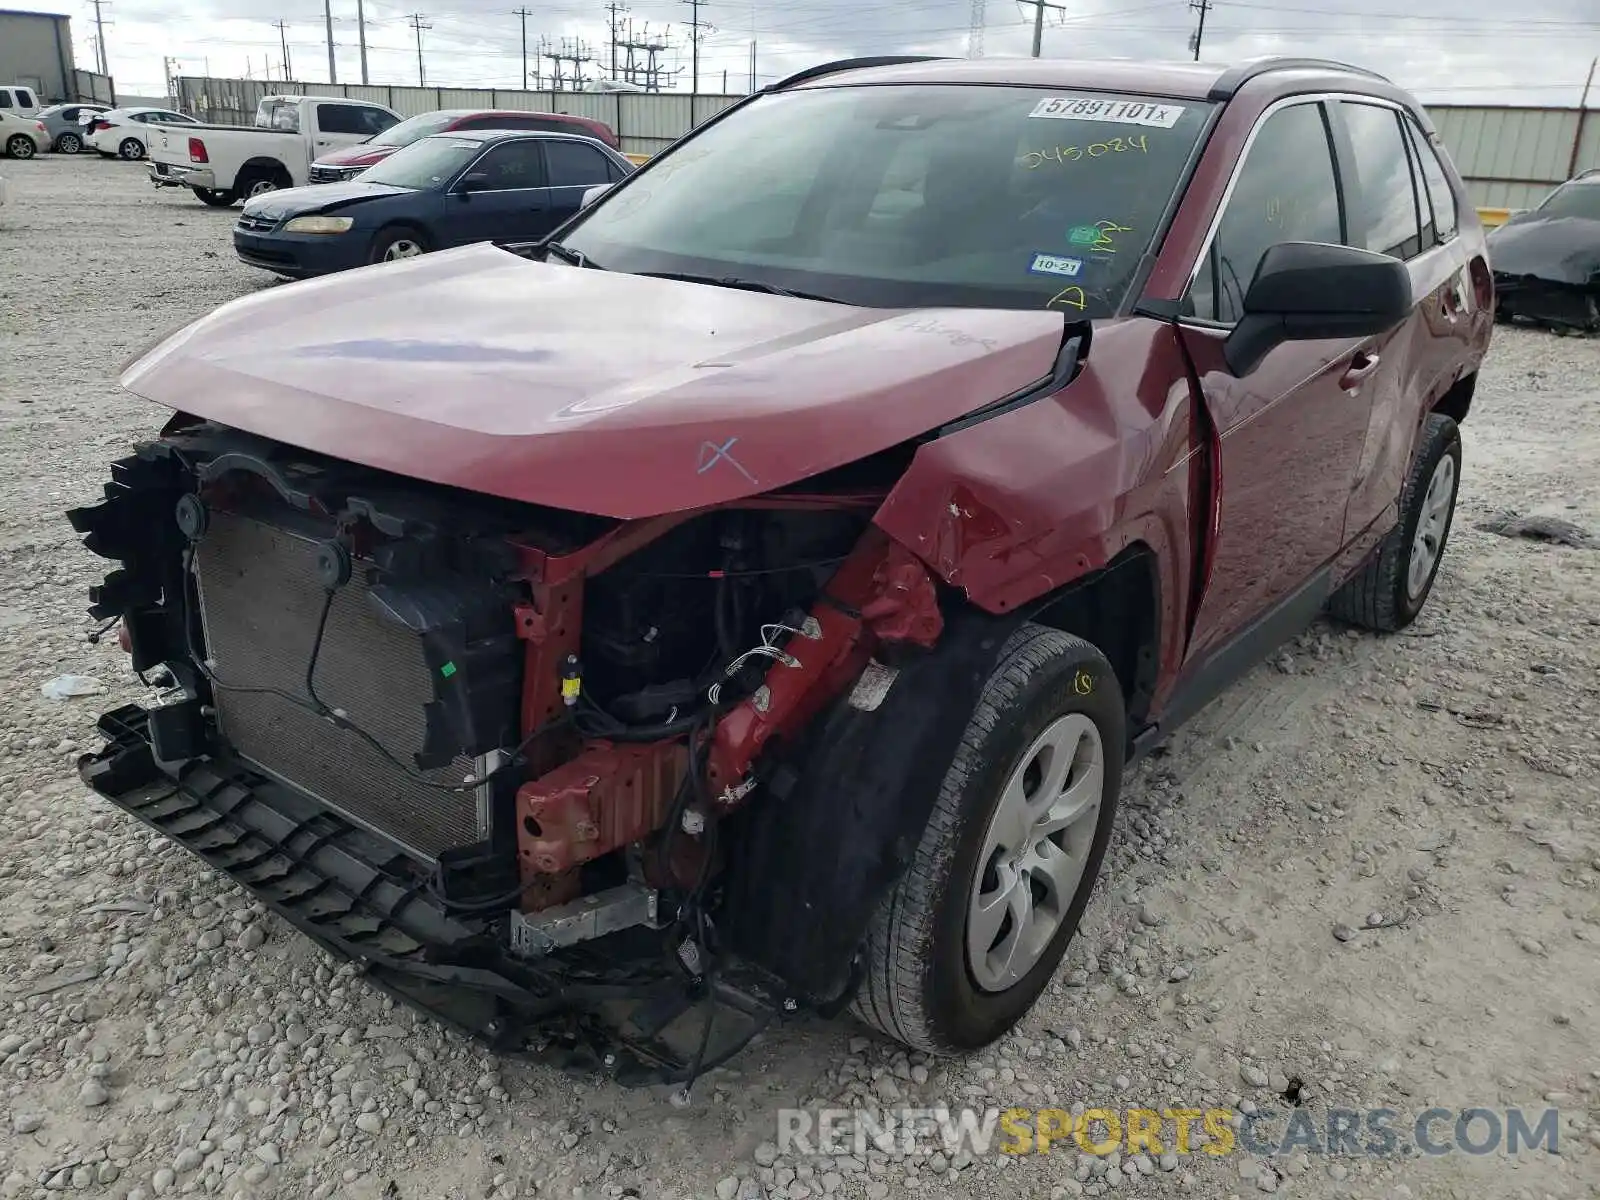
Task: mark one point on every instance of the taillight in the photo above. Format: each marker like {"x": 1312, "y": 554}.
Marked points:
{"x": 197, "y": 151}
{"x": 39, "y": 125}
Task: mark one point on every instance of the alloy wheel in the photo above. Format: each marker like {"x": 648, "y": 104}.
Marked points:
{"x": 1432, "y": 523}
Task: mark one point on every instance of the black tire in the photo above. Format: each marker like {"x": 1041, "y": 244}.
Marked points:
{"x": 259, "y": 183}
{"x": 387, "y": 239}
{"x": 130, "y": 149}
{"x": 215, "y": 198}
{"x": 918, "y": 986}
{"x": 69, "y": 143}
{"x": 1378, "y": 596}
{"x": 20, "y": 145}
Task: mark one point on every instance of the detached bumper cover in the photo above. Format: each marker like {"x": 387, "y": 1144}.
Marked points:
{"x": 363, "y": 899}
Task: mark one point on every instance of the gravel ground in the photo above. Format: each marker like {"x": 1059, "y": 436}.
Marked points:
{"x": 1372, "y": 869}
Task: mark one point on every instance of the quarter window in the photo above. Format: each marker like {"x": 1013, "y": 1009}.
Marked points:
{"x": 1385, "y": 217}
{"x": 1437, "y": 184}
{"x": 1285, "y": 192}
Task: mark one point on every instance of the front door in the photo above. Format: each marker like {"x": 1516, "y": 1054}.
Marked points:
{"x": 501, "y": 197}
{"x": 1291, "y": 430}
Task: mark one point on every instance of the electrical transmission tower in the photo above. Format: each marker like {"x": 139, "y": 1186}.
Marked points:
{"x": 642, "y": 66}
{"x": 980, "y": 17}
{"x": 574, "y": 51}
{"x": 418, "y": 24}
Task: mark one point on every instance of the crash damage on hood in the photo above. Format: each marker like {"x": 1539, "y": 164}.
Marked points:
{"x": 1547, "y": 269}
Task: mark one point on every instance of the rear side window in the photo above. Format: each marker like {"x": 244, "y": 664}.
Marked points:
{"x": 352, "y": 118}
{"x": 25, "y": 98}
{"x": 1285, "y": 192}
{"x": 1384, "y": 210}
{"x": 573, "y": 164}
{"x": 1436, "y": 184}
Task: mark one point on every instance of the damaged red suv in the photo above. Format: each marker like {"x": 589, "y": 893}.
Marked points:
{"x": 747, "y": 600}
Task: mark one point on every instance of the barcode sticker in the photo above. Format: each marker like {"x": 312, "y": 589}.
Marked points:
{"x": 1117, "y": 112}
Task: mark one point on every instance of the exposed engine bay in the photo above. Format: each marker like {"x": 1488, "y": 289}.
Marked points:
{"x": 498, "y": 754}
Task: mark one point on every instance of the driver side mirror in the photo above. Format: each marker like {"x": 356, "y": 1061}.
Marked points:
{"x": 473, "y": 181}
{"x": 1303, "y": 291}
{"x": 590, "y": 195}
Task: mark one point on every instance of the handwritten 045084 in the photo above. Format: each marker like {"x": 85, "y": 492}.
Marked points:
{"x": 1034, "y": 159}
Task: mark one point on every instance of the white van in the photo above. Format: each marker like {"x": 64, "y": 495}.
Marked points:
{"x": 19, "y": 99}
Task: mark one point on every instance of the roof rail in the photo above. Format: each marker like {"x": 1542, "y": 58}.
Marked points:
{"x": 1234, "y": 78}
{"x": 851, "y": 64}
{"x": 1586, "y": 174}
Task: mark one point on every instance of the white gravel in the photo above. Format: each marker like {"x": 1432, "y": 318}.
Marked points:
{"x": 1374, "y": 867}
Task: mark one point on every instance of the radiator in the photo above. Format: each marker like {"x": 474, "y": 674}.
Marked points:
{"x": 260, "y": 600}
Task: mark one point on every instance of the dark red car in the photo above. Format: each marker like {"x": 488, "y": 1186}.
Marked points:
{"x": 749, "y": 599}
{"x": 349, "y": 161}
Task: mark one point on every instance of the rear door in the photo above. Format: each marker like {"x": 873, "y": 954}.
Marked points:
{"x": 501, "y": 197}
{"x": 1291, "y": 431}
{"x": 1392, "y": 213}
{"x": 574, "y": 167}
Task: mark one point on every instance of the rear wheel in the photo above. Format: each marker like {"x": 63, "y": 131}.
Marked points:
{"x": 396, "y": 243}
{"x": 69, "y": 143}
{"x": 962, "y": 947}
{"x": 20, "y": 145}
{"x": 216, "y": 198}
{"x": 259, "y": 183}
{"x": 130, "y": 149}
{"x": 1389, "y": 592}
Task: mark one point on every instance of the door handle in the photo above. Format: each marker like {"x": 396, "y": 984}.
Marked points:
{"x": 1362, "y": 365}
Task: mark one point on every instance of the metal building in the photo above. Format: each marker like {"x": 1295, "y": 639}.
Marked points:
{"x": 36, "y": 51}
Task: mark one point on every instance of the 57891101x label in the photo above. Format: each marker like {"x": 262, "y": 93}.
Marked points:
{"x": 1116, "y": 112}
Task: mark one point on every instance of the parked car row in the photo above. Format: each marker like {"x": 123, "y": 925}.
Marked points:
{"x": 74, "y": 128}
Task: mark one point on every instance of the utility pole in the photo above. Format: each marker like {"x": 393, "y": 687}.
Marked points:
{"x": 752, "y": 66}
{"x": 1038, "y": 21}
{"x": 1202, "y": 7}
{"x": 327, "y": 16}
{"x": 524, "y": 14}
{"x": 614, "y": 13}
{"x": 361, "y": 34}
{"x": 100, "y": 36}
{"x": 169, "y": 66}
{"x": 418, "y": 24}
{"x": 698, "y": 30}
{"x": 975, "y": 27}
{"x": 282, "y": 27}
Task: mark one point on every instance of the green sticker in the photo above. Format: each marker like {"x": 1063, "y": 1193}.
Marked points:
{"x": 1083, "y": 235}
{"x": 448, "y": 670}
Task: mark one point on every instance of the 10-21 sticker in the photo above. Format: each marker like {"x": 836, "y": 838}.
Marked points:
{"x": 1117, "y": 112}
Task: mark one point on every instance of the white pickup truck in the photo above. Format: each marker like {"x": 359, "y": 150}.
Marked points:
{"x": 225, "y": 163}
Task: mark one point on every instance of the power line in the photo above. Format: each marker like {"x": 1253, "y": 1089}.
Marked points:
{"x": 418, "y": 25}
{"x": 282, "y": 27}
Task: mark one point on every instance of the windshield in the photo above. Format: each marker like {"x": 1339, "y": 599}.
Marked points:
{"x": 412, "y": 128}
{"x": 910, "y": 195}
{"x": 427, "y": 164}
{"x": 1573, "y": 200}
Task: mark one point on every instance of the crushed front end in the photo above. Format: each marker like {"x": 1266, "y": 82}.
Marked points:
{"x": 498, "y": 754}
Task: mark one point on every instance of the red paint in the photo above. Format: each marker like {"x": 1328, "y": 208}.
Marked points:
{"x": 365, "y": 154}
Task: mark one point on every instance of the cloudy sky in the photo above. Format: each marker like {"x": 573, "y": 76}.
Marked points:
{"x": 1532, "y": 52}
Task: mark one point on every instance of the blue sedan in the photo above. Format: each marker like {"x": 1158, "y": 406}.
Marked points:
{"x": 440, "y": 191}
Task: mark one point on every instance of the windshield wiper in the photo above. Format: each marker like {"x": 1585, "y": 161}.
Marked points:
{"x": 734, "y": 281}
{"x": 566, "y": 254}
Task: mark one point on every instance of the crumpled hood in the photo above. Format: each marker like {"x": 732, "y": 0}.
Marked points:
{"x": 317, "y": 198}
{"x": 1562, "y": 250}
{"x": 582, "y": 389}
{"x": 363, "y": 154}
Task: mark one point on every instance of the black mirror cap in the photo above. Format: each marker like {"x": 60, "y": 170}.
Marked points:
{"x": 472, "y": 181}
{"x": 1303, "y": 291}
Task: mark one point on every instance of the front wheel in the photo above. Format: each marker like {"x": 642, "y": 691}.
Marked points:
{"x": 963, "y": 946}
{"x": 214, "y": 197}
{"x": 393, "y": 244}
{"x": 69, "y": 143}
{"x": 20, "y": 145}
{"x": 1389, "y": 591}
{"x": 131, "y": 149}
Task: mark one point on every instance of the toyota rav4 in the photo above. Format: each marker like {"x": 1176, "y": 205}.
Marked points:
{"x": 747, "y": 600}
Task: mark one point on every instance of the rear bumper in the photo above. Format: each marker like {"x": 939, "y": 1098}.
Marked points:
{"x": 363, "y": 899}
{"x": 170, "y": 175}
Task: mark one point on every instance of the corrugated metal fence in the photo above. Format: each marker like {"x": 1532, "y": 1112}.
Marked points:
{"x": 645, "y": 122}
{"x": 89, "y": 85}
{"x": 1510, "y": 157}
